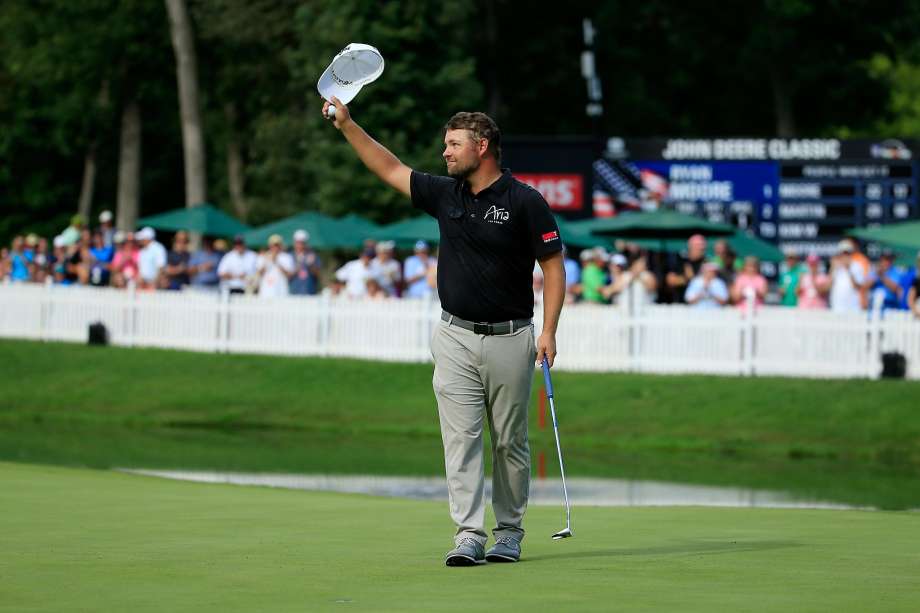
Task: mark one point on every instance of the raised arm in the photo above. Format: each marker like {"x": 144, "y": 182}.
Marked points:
{"x": 375, "y": 156}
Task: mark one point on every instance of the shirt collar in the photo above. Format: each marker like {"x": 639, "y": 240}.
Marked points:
{"x": 498, "y": 187}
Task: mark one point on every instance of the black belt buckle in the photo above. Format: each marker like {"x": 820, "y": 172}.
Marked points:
{"x": 483, "y": 329}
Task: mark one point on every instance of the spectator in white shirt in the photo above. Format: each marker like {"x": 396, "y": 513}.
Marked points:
{"x": 847, "y": 278}
{"x": 355, "y": 274}
{"x": 150, "y": 260}
{"x": 707, "y": 290}
{"x": 275, "y": 268}
{"x": 236, "y": 267}
{"x": 386, "y": 268}
{"x": 416, "y": 271}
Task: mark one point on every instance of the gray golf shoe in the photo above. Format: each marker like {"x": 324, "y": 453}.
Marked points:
{"x": 468, "y": 552}
{"x": 505, "y": 549}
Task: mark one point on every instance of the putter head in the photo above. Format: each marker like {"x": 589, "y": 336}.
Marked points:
{"x": 563, "y": 534}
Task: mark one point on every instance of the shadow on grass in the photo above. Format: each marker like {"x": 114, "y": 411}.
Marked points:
{"x": 682, "y": 548}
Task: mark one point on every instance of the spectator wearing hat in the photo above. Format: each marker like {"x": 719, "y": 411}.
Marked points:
{"x": 387, "y": 269}
{"x": 885, "y": 281}
{"x": 202, "y": 266}
{"x": 707, "y": 290}
{"x": 72, "y": 233}
{"x": 354, "y": 274}
{"x": 727, "y": 260}
{"x": 636, "y": 278}
{"x": 151, "y": 260}
{"x": 685, "y": 269}
{"x": 176, "y": 274}
{"x": 847, "y": 279}
{"x": 749, "y": 280}
{"x": 813, "y": 285}
{"x": 307, "y": 265}
{"x": 125, "y": 263}
{"x": 106, "y": 228}
{"x": 616, "y": 269}
{"x": 19, "y": 261}
{"x": 237, "y": 267}
{"x": 275, "y": 267}
{"x": 415, "y": 271}
{"x": 594, "y": 276}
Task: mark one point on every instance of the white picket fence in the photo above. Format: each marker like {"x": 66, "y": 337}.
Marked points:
{"x": 651, "y": 338}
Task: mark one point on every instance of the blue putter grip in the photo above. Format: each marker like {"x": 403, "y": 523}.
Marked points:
{"x": 546, "y": 380}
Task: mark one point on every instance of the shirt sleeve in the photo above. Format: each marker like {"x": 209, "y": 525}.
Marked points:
{"x": 541, "y": 227}
{"x": 426, "y": 191}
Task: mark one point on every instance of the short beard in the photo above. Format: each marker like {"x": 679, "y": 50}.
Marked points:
{"x": 462, "y": 172}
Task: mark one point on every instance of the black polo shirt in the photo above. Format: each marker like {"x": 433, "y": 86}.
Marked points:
{"x": 489, "y": 242}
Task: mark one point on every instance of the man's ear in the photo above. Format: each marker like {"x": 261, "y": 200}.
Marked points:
{"x": 483, "y": 146}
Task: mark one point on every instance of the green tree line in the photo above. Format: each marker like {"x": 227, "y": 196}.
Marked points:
{"x": 90, "y": 114}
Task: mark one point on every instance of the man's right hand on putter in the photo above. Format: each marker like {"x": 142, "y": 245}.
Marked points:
{"x": 342, "y": 115}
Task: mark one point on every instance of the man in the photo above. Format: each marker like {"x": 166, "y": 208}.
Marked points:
{"x": 386, "y": 268}
{"x": 885, "y": 281}
{"x": 275, "y": 268}
{"x": 151, "y": 260}
{"x": 106, "y": 228}
{"x": 416, "y": 271}
{"x": 707, "y": 290}
{"x": 685, "y": 269}
{"x": 236, "y": 267}
{"x": 354, "y": 274}
{"x": 789, "y": 276}
{"x": 307, "y": 265}
{"x": 492, "y": 229}
{"x": 594, "y": 276}
{"x": 178, "y": 263}
{"x": 202, "y": 266}
{"x": 847, "y": 279}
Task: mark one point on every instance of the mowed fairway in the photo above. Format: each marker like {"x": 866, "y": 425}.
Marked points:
{"x": 85, "y": 540}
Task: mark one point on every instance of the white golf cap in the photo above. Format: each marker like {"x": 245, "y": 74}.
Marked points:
{"x": 619, "y": 259}
{"x": 354, "y": 66}
{"x": 421, "y": 246}
{"x": 105, "y": 216}
{"x": 301, "y": 235}
{"x": 386, "y": 246}
{"x": 146, "y": 234}
{"x": 59, "y": 241}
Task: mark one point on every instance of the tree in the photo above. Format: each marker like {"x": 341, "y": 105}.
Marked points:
{"x": 187, "y": 76}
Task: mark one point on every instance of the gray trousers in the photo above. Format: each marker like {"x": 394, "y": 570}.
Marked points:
{"x": 477, "y": 377}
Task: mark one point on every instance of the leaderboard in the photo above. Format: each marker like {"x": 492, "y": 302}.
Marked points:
{"x": 801, "y": 194}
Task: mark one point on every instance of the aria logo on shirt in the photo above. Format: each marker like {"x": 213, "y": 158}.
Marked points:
{"x": 497, "y": 215}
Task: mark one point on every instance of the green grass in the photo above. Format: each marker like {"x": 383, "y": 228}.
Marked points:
{"x": 854, "y": 441}
{"x": 87, "y": 540}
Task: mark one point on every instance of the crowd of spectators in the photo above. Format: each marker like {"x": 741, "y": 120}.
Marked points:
{"x": 845, "y": 283}
{"x": 102, "y": 256}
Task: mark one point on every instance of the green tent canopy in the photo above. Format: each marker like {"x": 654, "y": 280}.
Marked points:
{"x": 898, "y": 235}
{"x": 406, "y": 232}
{"x": 658, "y": 225}
{"x": 203, "y": 218}
{"x": 325, "y": 232}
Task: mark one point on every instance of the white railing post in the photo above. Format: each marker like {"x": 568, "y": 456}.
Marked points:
{"x": 325, "y": 323}
{"x": 47, "y": 308}
{"x": 131, "y": 311}
{"x": 634, "y": 315}
{"x": 223, "y": 321}
{"x": 875, "y": 331}
{"x": 747, "y": 332}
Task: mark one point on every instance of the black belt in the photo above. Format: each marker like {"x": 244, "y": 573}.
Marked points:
{"x": 502, "y": 327}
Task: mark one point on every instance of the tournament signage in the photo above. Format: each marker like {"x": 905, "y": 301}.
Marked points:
{"x": 801, "y": 194}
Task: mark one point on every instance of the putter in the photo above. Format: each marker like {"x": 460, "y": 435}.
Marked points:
{"x": 567, "y": 531}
